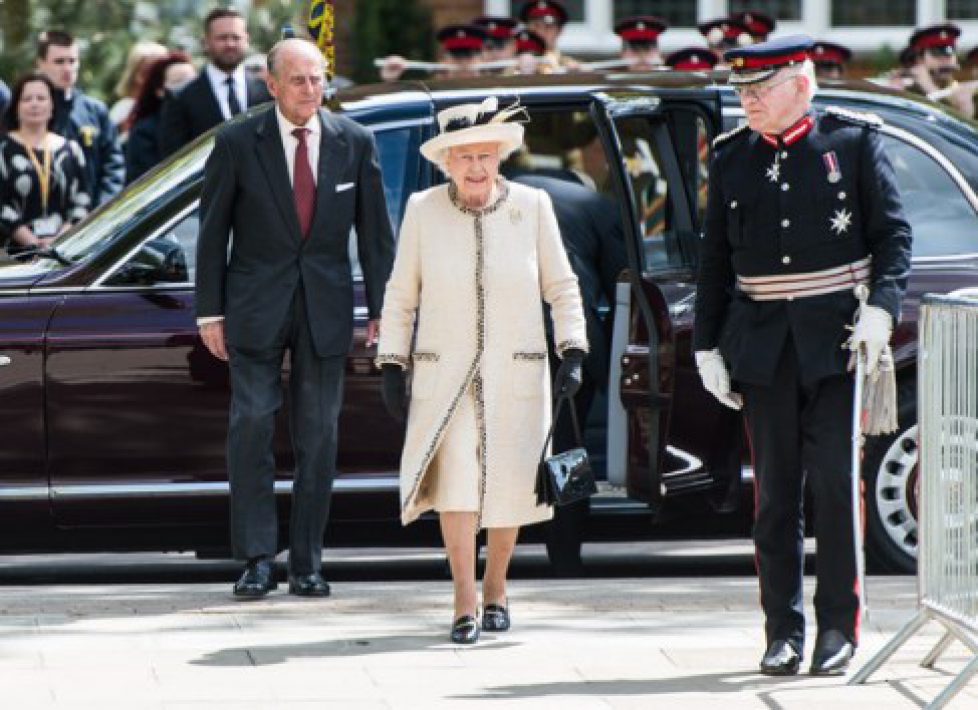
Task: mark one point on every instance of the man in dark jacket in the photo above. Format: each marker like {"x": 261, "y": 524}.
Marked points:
{"x": 591, "y": 230}
{"x": 803, "y": 206}
{"x": 289, "y": 183}
{"x": 220, "y": 92}
{"x": 81, "y": 118}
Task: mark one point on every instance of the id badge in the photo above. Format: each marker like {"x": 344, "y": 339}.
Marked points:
{"x": 46, "y": 226}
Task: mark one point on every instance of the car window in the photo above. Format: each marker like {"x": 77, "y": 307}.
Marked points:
{"x": 398, "y": 153}
{"x": 943, "y": 221}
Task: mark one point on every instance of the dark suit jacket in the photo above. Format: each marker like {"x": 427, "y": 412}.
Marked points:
{"x": 590, "y": 227}
{"x": 247, "y": 191}
{"x": 142, "y": 147}
{"x": 193, "y": 110}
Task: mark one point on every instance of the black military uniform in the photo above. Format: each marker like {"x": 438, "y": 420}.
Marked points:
{"x": 793, "y": 222}
{"x": 86, "y": 121}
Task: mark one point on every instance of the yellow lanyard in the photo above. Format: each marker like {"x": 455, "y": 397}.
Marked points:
{"x": 43, "y": 173}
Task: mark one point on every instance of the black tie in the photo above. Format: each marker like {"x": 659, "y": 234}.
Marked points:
{"x": 232, "y": 97}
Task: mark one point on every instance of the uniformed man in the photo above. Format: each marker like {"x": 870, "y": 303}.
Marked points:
{"x": 692, "y": 59}
{"x": 758, "y": 24}
{"x": 640, "y": 41}
{"x": 935, "y": 64}
{"x": 547, "y": 18}
{"x": 830, "y": 59}
{"x": 803, "y": 206}
{"x": 500, "y": 36}
{"x": 462, "y": 50}
{"x": 529, "y": 49}
{"x": 722, "y": 34}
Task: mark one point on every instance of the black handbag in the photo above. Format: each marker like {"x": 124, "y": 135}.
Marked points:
{"x": 566, "y": 477}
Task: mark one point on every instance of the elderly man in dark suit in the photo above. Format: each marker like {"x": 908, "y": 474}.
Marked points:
{"x": 221, "y": 91}
{"x": 289, "y": 183}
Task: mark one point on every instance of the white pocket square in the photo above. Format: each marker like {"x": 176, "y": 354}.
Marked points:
{"x": 344, "y": 186}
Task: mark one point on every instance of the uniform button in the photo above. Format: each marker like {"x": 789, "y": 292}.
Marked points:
{"x": 791, "y": 298}
{"x": 733, "y": 205}
{"x": 785, "y": 187}
{"x": 786, "y": 223}
{"x": 842, "y": 195}
{"x": 784, "y": 154}
{"x": 785, "y": 259}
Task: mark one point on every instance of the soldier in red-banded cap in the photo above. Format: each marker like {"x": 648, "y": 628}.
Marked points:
{"x": 692, "y": 59}
{"x": 758, "y": 24}
{"x": 830, "y": 59}
{"x": 462, "y": 49}
{"x": 935, "y": 64}
{"x": 547, "y": 18}
{"x": 501, "y": 36}
{"x": 724, "y": 33}
{"x": 530, "y": 47}
{"x": 640, "y": 41}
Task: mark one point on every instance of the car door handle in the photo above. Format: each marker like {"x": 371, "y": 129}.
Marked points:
{"x": 4, "y": 361}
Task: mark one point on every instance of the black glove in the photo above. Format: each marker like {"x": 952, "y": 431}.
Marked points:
{"x": 570, "y": 373}
{"x": 395, "y": 391}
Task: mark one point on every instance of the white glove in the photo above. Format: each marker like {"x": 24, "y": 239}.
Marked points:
{"x": 715, "y": 377}
{"x": 872, "y": 332}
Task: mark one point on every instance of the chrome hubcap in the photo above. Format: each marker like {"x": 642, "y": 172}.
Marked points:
{"x": 896, "y": 491}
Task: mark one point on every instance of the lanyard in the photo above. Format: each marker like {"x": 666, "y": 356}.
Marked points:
{"x": 43, "y": 174}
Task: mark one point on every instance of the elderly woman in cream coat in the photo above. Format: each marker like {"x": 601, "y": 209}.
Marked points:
{"x": 463, "y": 315}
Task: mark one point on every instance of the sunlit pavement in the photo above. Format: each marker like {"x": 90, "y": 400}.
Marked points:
{"x": 652, "y": 625}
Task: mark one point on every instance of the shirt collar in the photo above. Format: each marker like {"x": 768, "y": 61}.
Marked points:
{"x": 217, "y": 76}
{"x": 285, "y": 126}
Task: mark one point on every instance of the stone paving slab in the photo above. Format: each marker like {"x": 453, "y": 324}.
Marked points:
{"x": 589, "y": 643}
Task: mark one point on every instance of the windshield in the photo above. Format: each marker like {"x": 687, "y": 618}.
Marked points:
{"x": 145, "y": 196}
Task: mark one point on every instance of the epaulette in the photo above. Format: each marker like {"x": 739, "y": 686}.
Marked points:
{"x": 724, "y": 137}
{"x": 857, "y": 117}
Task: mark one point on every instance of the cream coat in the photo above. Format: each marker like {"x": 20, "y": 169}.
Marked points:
{"x": 474, "y": 283}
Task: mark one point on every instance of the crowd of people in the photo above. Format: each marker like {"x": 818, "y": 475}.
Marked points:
{"x": 63, "y": 153}
{"x": 89, "y": 151}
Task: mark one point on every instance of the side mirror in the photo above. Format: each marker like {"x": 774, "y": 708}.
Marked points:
{"x": 157, "y": 261}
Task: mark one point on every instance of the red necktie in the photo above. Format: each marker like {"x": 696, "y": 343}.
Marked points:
{"x": 303, "y": 187}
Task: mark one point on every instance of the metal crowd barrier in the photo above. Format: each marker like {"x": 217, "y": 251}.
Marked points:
{"x": 947, "y": 565}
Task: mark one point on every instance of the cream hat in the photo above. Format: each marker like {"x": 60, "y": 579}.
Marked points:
{"x": 476, "y": 123}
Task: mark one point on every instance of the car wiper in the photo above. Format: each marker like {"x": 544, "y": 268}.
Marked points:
{"x": 45, "y": 252}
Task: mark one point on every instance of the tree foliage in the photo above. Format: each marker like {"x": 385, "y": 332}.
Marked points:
{"x": 108, "y": 28}
{"x": 383, "y": 27}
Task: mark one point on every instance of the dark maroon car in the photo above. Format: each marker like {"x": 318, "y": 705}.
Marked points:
{"x": 115, "y": 415}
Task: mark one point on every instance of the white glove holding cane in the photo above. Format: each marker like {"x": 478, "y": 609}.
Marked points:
{"x": 871, "y": 333}
{"x": 716, "y": 379}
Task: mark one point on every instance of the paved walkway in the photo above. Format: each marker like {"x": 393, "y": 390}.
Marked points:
{"x": 593, "y": 643}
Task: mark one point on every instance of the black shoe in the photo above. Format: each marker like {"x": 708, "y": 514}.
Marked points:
{"x": 465, "y": 629}
{"x": 833, "y": 651}
{"x": 308, "y": 585}
{"x": 257, "y": 580}
{"x": 781, "y": 658}
{"x": 495, "y": 617}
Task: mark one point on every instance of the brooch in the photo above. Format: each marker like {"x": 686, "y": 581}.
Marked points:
{"x": 515, "y": 216}
{"x": 87, "y": 135}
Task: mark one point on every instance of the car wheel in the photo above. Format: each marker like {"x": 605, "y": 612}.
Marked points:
{"x": 891, "y": 476}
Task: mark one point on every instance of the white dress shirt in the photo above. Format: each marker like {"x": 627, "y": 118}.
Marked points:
{"x": 219, "y": 86}
{"x": 290, "y": 143}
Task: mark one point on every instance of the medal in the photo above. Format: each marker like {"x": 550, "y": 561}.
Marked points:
{"x": 832, "y": 166}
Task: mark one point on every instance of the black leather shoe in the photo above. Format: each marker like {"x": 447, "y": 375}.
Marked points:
{"x": 465, "y": 629}
{"x": 495, "y": 617}
{"x": 833, "y": 651}
{"x": 257, "y": 580}
{"x": 781, "y": 658}
{"x": 308, "y": 585}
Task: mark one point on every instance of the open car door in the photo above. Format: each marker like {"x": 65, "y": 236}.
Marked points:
{"x": 661, "y": 144}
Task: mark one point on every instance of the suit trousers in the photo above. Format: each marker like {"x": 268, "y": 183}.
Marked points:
{"x": 315, "y": 396}
{"x": 802, "y": 432}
